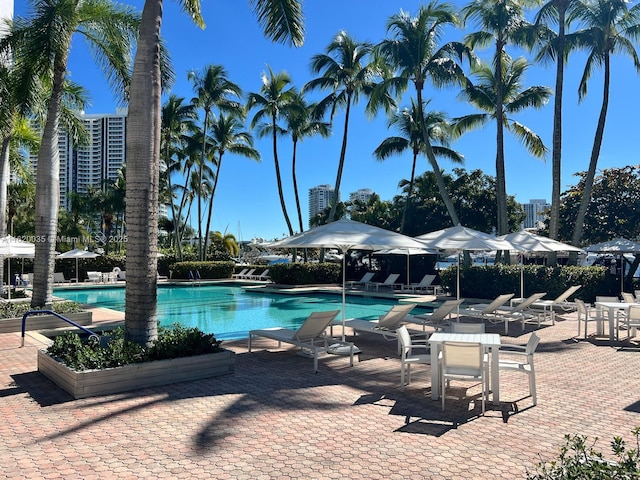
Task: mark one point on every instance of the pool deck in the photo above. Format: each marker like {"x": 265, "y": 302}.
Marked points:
{"x": 275, "y": 418}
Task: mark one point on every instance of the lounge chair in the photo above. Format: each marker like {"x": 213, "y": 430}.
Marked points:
{"x": 424, "y": 284}
{"x": 439, "y": 318}
{"x": 561, "y": 302}
{"x": 390, "y": 282}
{"x": 520, "y": 312}
{"x": 248, "y": 275}
{"x": 311, "y": 337}
{"x": 239, "y": 275}
{"x": 58, "y": 277}
{"x": 366, "y": 278}
{"x": 264, "y": 276}
{"x": 486, "y": 310}
{"x": 386, "y": 325}
{"x": 94, "y": 277}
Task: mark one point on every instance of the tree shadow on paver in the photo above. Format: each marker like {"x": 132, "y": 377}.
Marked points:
{"x": 42, "y": 390}
{"x": 634, "y": 407}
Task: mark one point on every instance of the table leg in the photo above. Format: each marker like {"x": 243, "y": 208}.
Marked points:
{"x": 495, "y": 375}
{"x": 612, "y": 320}
{"x": 435, "y": 371}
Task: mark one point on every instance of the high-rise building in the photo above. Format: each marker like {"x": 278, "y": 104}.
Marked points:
{"x": 535, "y": 212}
{"x": 320, "y": 197}
{"x": 363, "y": 195}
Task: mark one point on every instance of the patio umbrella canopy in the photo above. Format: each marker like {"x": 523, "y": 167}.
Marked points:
{"x": 77, "y": 254}
{"x": 345, "y": 234}
{"x": 12, "y": 247}
{"x": 459, "y": 238}
{"x": 527, "y": 242}
{"x": 619, "y": 246}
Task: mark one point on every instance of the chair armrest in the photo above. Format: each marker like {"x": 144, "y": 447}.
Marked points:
{"x": 512, "y": 349}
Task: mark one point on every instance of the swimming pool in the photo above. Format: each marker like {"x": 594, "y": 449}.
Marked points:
{"x": 230, "y": 312}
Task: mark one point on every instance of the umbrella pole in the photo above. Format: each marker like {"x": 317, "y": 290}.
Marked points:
{"x": 522, "y": 276}
{"x": 344, "y": 296}
{"x": 458, "y": 279}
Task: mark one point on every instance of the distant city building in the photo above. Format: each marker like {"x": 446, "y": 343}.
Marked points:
{"x": 363, "y": 195}
{"x": 535, "y": 212}
{"x": 320, "y": 197}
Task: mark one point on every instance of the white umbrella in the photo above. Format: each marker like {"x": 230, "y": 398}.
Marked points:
{"x": 618, "y": 246}
{"x": 12, "y": 247}
{"x": 527, "y": 242}
{"x": 345, "y": 234}
{"x": 77, "y": 253}
{"x": 458, "y": 239}
{"x": 408, "y": 252}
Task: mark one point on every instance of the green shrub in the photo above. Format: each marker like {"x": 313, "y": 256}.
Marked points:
{"x": 87, "y": 354}
{"x": 305, "y": 273}
{"x": 15, "y": 310}
{"x": 577, "y": 460}
{"x": 208, "y": 270}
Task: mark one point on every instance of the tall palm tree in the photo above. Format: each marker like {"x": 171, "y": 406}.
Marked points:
{"x": 485, "y": 96}
{"x": 213, "y": 90}
{"x": 345, "y": 70}
{"x": 414, "y": 52}
{"x": 272, "y": 100}
{"x": 228, "y": 136}
{"x": 610, "y": 27}
{"x": 408, "y": 122}
{"x": 554, "y": 48}
{"x": 45, "y": 41}
{"x": 283, "y": 24}
{"x": 178, "y": 120}
{"x": 300, "y": 124}
{"x": 502, "y": 22}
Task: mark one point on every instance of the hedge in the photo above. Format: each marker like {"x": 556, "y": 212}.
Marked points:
{"x": 207, "y": 270}
{"x": 305, "y": 273}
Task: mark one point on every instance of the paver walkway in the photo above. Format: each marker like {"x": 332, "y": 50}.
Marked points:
{"x": 275, "y": 418}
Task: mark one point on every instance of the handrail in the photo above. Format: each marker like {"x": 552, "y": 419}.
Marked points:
{"x": 50, "y": 312}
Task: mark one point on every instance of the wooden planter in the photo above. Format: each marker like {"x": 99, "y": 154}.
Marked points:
{"x": 44, "y": 322}
{"x": 91, "y": 383}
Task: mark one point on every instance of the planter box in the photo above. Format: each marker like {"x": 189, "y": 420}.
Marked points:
{"x": 44, "y": 322}
{"x": 91, "y": 383}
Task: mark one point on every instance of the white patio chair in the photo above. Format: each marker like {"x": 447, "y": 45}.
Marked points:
{"x": 459, "y": 327}
{"x": 408, "y": 356}
{"x": 464, "y": 361}
{"x": 631, "y": 321}
{"x": 587, "y": 314}
{"x": 520, "y": 359}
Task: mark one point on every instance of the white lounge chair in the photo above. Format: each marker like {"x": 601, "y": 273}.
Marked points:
{"x": 58, "y": 277}
{"x": 520, "y": 312}
{"x": 94, "y": 277}
{"x": 486, "y": 310}
{"x": 424, "y": 284}
{"x": 366, "y": 278}
{"x": 386, "y": 325}
{"x": 311, "y": 337}
{"x": 390, "y": 282}
{"x": 561, "y": 302}
{"x": 240, "y": 274}
{"x": 248, "y": 275}
{"x": 264, "y": 276}
{"x": 440, "y": 317}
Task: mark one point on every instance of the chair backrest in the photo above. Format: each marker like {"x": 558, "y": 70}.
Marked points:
{"x": 532, "y": 344}
{"x": 462, "y": 358}
{"x": 458, "y": 327}
{"x": 405, "y": 340}
{"x": 582, "y": 308}
{"x": 391, "y": 279}
{"x": 498, "y": 302}
{"x": 250, "y": 272}
{"x": 264, "y": 274}
{"x": 427, "y": 280}
{"x": 243, "y": 272}
{"x": 601, "y": 298}
{"x": 527, "y": 302}
{"x": 634, "y": 313}
{"x": 445, "y": 309}
{"x": 367, "y": 277}
{"x": 392, "y": 319}
{"x": 637, "y": 294}
{"x": 58, "y": 277}
{"x": 315, "y": 324}
{"x": 627, "y": 297}
{"x": 567, "y": 293}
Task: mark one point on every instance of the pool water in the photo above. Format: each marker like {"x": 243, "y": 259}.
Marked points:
{"x": 230, "y": 312}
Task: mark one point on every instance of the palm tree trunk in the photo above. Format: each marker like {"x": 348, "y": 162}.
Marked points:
{"x": 295, "y": 184}
{"x": 343, "y": 154}
{"x": 4, "y": 183}
{"x": 595, "y": 154}
{"x": 501, "y": 188}
{"x": 179, "y": 232}
{"x": 442, "y": 187}
{"x": 213, "y": 194}
{"x": 143, "y": 147}
{"x": 48, "y": 194}
{"x": 278, "y": 177}
{"x": 170, "y": 187}
{"x": 202, "y": 161}
{"x": 409, "y": 193}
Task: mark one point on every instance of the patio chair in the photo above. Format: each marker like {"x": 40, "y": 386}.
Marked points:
{"x": 311, "y": 337}
{"x": 588, "y": 314}
{"x": 523, "y": 364}
{"x": 408, "y": 356}
{"x": 465, "y": 327}
{"x": 238, "y": 275}
{"x": 390, "y": 282}
{"x": 424, "y": 284}
{"x": 366, "y": 278}
{"x": 628, "y": 297}
{"x": 386, "y": 325}
{"x": 486, "y": 310}
{"x": 631, "y": 321}
{"x": 440, "y": 317}
{"x": 464, "y": 361}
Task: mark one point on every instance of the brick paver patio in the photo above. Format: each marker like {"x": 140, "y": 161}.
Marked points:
{"x": 275, "y": 418}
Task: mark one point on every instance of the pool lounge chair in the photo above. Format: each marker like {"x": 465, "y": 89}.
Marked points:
{"x": 238, "y": 275}
{"x": 386, "y": 325}
{"x": 58, "y": 277}
{"x": 559, "y": 303}
{"x": 264, "y": 276}
{"x": 440, "y": 317}
{"x": 521, "y": 312}
{"x": 248, "y": 275}
{"x": 486, "y": 310}
{"x": 390, "y": 282}
{"x": 311, "y": 337}
{"x": 424, "y": 284}
{"x": 366, "y": 278}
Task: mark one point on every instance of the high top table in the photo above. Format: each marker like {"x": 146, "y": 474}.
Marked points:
{"x": 490, "y": 341}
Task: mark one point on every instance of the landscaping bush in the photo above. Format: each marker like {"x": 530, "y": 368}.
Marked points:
{"x": 208, "y": 270}
{"x": 16, "y": 310}
{"x": 577, "y": 460}
{"x": 86, "y": 354}
{"x": 305, "y": 273}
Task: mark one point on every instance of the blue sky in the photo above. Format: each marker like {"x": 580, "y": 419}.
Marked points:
{"x": 247, "y": 203}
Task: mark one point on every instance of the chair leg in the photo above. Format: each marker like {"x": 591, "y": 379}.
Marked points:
{"x": 532, "y": 386}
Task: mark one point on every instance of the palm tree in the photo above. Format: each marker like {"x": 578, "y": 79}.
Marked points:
{"x": 300, "y": 124}
{"x": 228, "y": 136}
{"x": 413, "y": 51}
{"x": 42, "y": 49}
{"x": 610, "y": 27}
{"x": 272, "y": 101}
{"x": 408, "y": 123}
{"x": 282, "y": 24}
{"x": 552, "y": 12}
{"x": 485, "y": 96}
{"x": 502, "y": 22}
{"x": 344, "y": 70}
{"x": 213, "y": 90}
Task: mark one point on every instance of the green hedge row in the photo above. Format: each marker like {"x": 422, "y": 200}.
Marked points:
{"x": 491, "y": 281}
{"x": 208, "y": 270}
{"x": 305, "y": 273}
